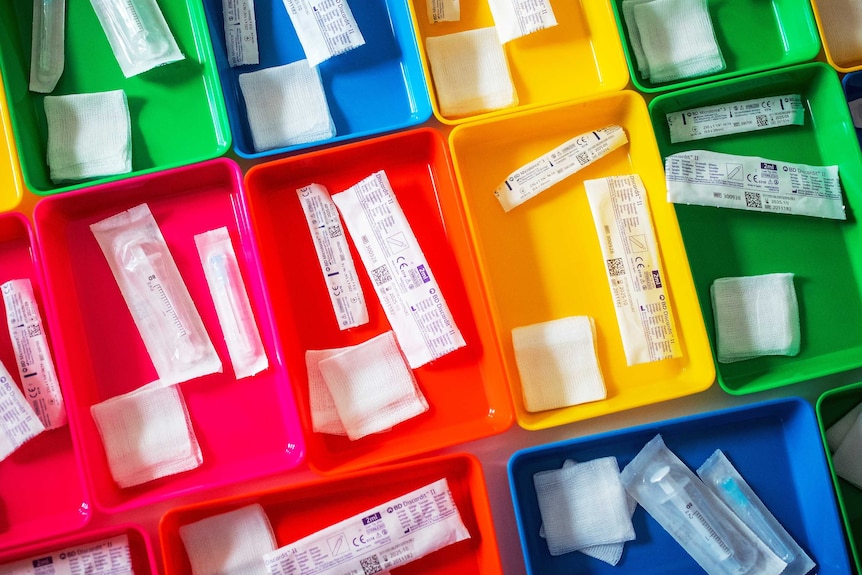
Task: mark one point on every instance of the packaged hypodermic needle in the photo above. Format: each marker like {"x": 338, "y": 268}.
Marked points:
{"x": 384, "y": 537}
{"x": 558, "y": 164}
{"x": 158, "y": 299}
{"x": 103, "y": 557}
{"x": 735, "y": 117}
{"x": 231, "y": 302}
{"x": 138, "y": 34}
{"x": 705, "y": 527}
{"x": 720, "y": 476}
{"x": 48, "y": 47}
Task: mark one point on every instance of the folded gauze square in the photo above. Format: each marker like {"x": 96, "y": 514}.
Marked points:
{"x": 610, "y": 553}
{"x": 147, "y": 434}
{"x": 676, "y": 38}
{"x": 231, "y": 543}
{"x": 286, "y": 106}
{"x": 755, "y": 316}
{"x": 583, "y": 505}
{"x": 558, "y": 364}
{"x": 324, "y": 415}
{"x": 470, "y": 72}
{"x": 372, "y": 386}
{"x": 846, "y": 460}
{"x": 836, "y": 432}
{"x": 89, "y": 135}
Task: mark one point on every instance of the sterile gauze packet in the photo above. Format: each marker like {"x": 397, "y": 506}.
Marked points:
{"x": 158, "y": 299}
{"x": 48, "y": 47}
{"x": 231, "y": 302}
{"x": 722, "y": 478}
{"x": 138, "y": 34}
{"x": 705, "y": 527}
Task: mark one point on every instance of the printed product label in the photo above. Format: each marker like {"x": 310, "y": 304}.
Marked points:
{"x": 325, "y": 28}
{"x": 381, "y": 538}
{"x": 32, "y": 354}
{"x": 334, "y": 257}
{"x": 558, "y": 164}
{"x": 399, "y": 271}
{"x": 106, "y": 557}
{"x": 18, "y": 421}
{"x": 736, "y": 117}
{"x": 516, "y": 18}
{"x": 240, "y": 32}
{"x": 638, "y": 283}
{"x": 443, "y": 10}
{"x": 751, "y": 183}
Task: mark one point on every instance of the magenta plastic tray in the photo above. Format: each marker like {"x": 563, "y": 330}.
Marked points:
{"x": 33, "y": 504}
{"x": 246, "y": 428}
{"x": 140, "y": 548}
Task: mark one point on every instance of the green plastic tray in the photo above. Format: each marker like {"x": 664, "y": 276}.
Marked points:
{"x": 753, "y": 36}
{"x": 825, "y": 255}
{"x": 831, "y": 406}
{"x": 177, "y": 111}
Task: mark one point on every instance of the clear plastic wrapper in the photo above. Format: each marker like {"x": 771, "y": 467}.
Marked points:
{"x": 722, "y": 478}
{"x": 705, "y": 527}
{"x": 138, "y": 34}
{"x": 48, "y": 48}
{"x": 158, "y": 299}
{"x": 231, "y": 302}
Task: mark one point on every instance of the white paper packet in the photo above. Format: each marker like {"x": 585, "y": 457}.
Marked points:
{"x": 35, "y": 364}
{"x": 158, "y": 299}
{"x": 138, "y": 34}
{"x": 386, "y": 536}
{"x": 18, "y": 421}
{"x": 232, "y": 305}
{"x": 516, "y": 18}
{"x": 326, "y": 28}
{"x": 104, "y": 557}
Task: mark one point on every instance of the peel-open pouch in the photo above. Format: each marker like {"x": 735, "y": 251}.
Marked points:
{"x": 705, "y": 527}
{"x": 158, "y": 299}
{"x": 138, "y": 34}
{"x": 48, "y": 48}
{"x": 722, "y": 478}
{"x": 231, "y": 302}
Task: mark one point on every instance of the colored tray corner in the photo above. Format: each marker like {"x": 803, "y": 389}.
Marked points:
{"x": 246, "y": 428}
{"x": 465, "y": 388}
{"x": 33, "y": 506}
{"x": 824, "y": 254}
{"x": 840, "y": 63}
{"x": 302, "y": 509}
{"x": 378, "y": 87}
{"x": 831, "y": 406}
{"x": 177, "y": 111}
{"x": 785, "y": 32}
{"x": 774, "y": 445}
{"x": 542, "y": 260}
{"x": 11, "y": 182}
{"x": 579, "y": 57}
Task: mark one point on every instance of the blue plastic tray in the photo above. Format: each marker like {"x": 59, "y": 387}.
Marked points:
{"x": 376, "y": 88}
{"x": 852, "y": 84}
{"x": 775, "y": 445}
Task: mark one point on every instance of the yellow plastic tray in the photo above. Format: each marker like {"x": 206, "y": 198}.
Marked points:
{"x": 581, "y": 56}
{"x": 542, "y": 260}
{"x": 840, "y": 66}
{"x": 11, "y": 183}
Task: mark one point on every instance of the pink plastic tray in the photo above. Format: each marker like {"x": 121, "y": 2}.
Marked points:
{"x": 33, "y": 504}
{"x": 246, "y": 428}
{"x": 466, "y": 389}
{"x": 140, "y": 548}
{"x": 303, "y": 509}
